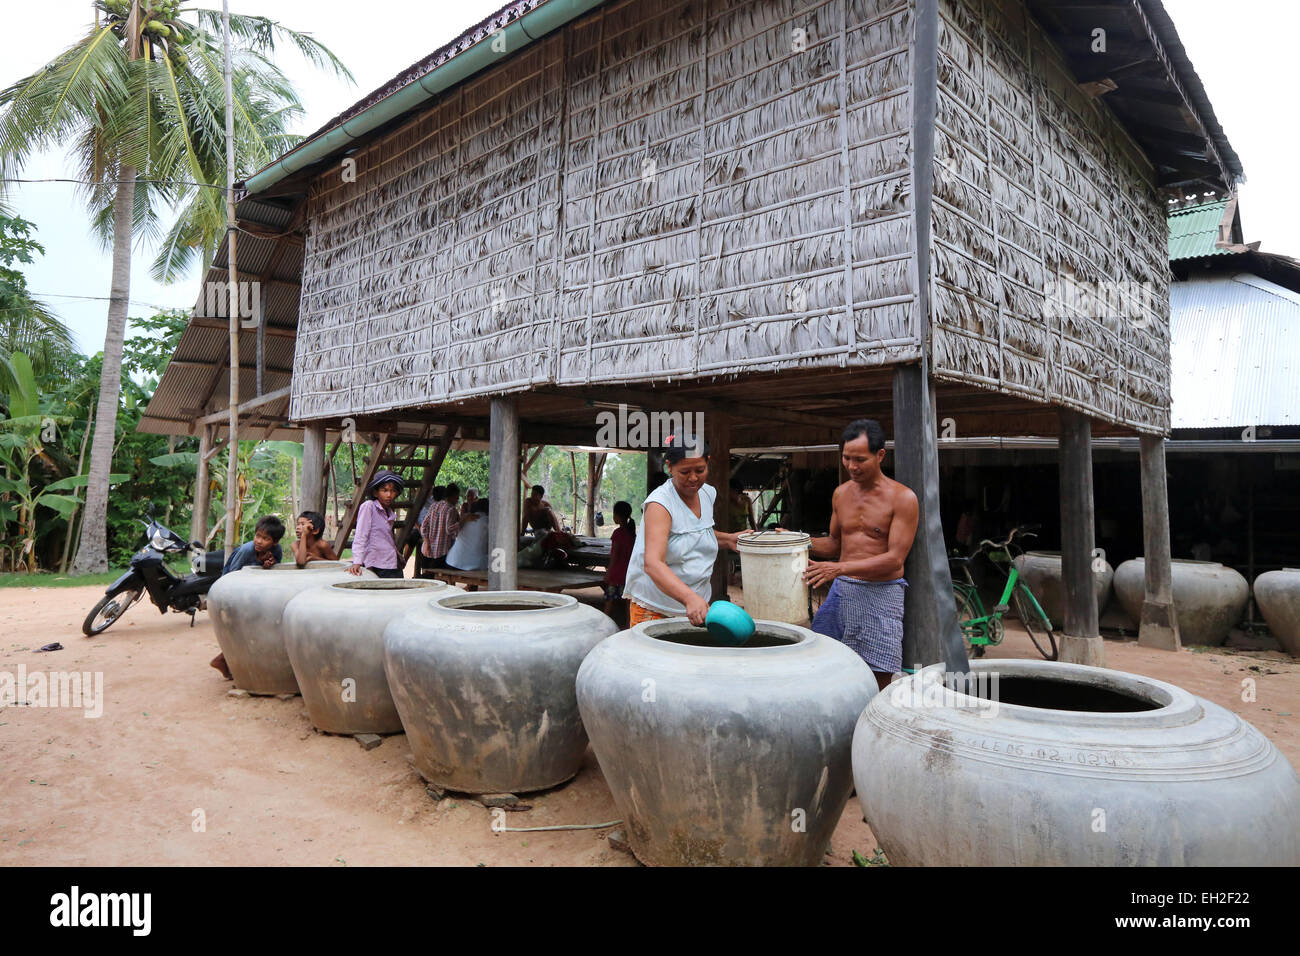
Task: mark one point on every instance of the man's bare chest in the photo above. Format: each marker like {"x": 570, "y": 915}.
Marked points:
{"x": 868, "y": 517}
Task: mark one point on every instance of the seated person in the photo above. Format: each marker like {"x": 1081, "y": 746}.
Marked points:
{"x": 538, "y": 513}
{"x": 467, "y": 507}
{"x": 262, "y": 552}
{"x": 556, "y": 546}
{"x": 440, "y": 526}
{"x": 470, "y": 550}
{"x": 309, "y": 545}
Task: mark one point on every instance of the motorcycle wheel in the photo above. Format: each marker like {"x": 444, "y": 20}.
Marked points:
{"x": 103, "y": 615}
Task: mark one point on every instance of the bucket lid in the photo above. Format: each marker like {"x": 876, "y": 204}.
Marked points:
{"x": 775, "y": 539}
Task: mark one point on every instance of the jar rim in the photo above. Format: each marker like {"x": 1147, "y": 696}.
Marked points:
{"x": 1172, "y": 703}
{"x": 549, "y": 602}
{"x": 644, "y": 633}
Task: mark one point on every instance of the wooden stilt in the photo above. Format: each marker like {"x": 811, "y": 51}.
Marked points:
{"x": 930, "y": 630}
{"x": 717, "y": 430}
{"x": 202, "y": 489}
{"x": 313, "y": 468}
{"x": 1159, "y": 625}
{"x": 1080, "y": 642}
{"x": 503, "y": 516}
{"x": 595, "y": 471}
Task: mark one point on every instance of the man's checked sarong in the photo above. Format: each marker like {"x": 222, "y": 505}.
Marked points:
{"x": 868, "y": 617}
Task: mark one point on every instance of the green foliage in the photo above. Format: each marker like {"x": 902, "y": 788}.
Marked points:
{"x": 65, "y": 399}
{"x": 622, "y": 480}
{"x": 466, "y": 469}
{"x": 148, "y": 93}
{"x": 29, "y": 474}
{"x": 877, "y": 858}
{"x": 26, "y": 325}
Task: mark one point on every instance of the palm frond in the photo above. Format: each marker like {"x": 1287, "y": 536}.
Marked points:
{"x": 260, "y": 34}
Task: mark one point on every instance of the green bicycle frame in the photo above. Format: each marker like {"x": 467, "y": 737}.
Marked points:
{"x": 977, "y": 628}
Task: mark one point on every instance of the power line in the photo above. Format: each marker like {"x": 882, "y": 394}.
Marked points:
{"x": 101, "y": 298}
{"x": 114, "y": 182}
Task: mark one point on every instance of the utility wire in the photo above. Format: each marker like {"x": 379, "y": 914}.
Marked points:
{"x": 114, "y": 182}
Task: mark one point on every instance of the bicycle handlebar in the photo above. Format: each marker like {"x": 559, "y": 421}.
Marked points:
{"x": 1022, "y": 531}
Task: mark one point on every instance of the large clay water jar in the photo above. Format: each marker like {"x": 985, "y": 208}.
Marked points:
{"x": 484, "y": 684}
{"x": 334, "y": 636}
{"x": 725, "y": 755}
{"x": 772, "y": 564}
{"x": 1041, "y": 571}
{"x": 1068, "y": 765}
{"x": 247, "y": 610}
{"x": 1209, "y": 598}
{"x": 1278, "y": 595}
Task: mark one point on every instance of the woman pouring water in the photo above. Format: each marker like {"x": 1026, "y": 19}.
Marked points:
{"x": 672, "y": 562}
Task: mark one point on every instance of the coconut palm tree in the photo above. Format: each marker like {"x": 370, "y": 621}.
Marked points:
{"x": 139, "y": 99}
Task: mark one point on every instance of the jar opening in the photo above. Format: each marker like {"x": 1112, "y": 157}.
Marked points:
{"x": 765, "y": 635}
{"x": 501, "y": 607}
{"x": 387, "y": 585}
{"x": 1055, "y": 694}
{"x": 504, "y": 601}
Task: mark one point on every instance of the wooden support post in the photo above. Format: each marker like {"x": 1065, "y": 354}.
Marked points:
{"x": 654, "y": 465}
{"x": 595, "y": 471}
{"x": 503, "y": 517}
{"x": 573, "y": 471}
{"x": 1159, "y": 624}
{"x": 313, "y": 468}
{"x": 1080, "y": 642}
{"x": 431, "y": 469}
{"x": 377, "y": 447}
{"x": 717, "y": 431}
{"x": 202, "y": 489}
{"x": 930, "y": 630}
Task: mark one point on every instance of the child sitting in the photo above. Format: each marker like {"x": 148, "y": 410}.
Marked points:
{"x": 262, "y": 552}
{"x": 309, "y": 545}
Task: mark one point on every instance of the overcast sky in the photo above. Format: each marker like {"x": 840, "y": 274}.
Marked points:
{"x": 1243, "y": 51}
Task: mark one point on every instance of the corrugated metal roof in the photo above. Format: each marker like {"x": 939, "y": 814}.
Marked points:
{"x": 1235, "y": 352}
{"x": 1193, "y": 230}
{"x": 196, "y": 380}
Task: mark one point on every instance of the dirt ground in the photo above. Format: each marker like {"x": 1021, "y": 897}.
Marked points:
{"x": 172, "y": 750}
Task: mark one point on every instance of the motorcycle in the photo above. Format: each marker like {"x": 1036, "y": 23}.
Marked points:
{"x": 149, "y": 573}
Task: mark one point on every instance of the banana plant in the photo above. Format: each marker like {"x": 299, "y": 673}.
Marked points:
{"x": 24, "y": 435}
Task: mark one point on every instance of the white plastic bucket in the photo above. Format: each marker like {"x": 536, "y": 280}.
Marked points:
{"x": 772, "y": 564}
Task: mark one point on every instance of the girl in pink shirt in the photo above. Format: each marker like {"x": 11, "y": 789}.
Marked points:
{"x": 373, "y": 545}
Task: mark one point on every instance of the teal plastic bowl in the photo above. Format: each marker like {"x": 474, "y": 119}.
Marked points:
{"x": 729, "y": 624}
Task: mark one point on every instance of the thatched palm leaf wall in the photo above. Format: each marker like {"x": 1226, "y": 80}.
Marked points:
{"x": 1036, "y": 187}
{"x": 657, "y": 190}
{"x": 666, "y": 190}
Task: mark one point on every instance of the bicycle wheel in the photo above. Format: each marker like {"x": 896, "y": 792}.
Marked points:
{"x": 1035, "y": 622}
{"x": 967, "y": 609}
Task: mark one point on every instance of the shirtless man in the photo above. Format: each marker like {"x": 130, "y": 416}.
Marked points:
{"x": 538, "y": 513}
{"x": 873, "y": 522}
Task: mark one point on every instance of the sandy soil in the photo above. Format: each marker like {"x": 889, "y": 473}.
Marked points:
{"x": 124, "y": 789}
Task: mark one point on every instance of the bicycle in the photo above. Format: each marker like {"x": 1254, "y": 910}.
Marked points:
{"x": 982, "y": 628}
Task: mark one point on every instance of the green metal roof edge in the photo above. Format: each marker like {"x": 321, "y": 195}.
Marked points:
{"x": 533, "y": 25}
